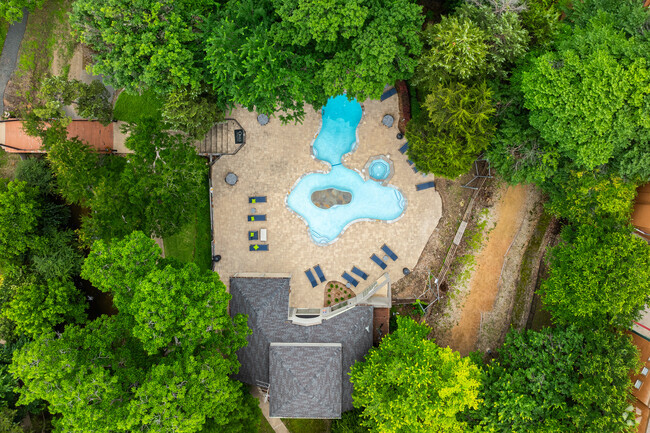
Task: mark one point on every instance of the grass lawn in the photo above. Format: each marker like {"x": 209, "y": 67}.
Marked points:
{"x": 133, "y": 108}
{"x": 307, "y": 425}
{"x": 192, "y": 243}
{"x": 265, "y": 427}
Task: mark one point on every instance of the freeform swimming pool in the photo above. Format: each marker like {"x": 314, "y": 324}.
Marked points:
{"x": 370, "y": 199}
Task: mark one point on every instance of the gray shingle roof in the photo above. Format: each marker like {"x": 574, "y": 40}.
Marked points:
{"x": 305, "y": 380}
{"x": 266, "y": 302}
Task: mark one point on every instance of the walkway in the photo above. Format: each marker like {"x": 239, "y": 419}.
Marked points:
{"x": 9, "y": 56}
{"x": 276, "y": 423}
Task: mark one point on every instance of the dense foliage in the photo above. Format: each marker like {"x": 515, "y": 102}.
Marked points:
{"x": 12, "y": 10}
{"x": 410, "y": 383}
{"x": 91, "y": 100}
{"x": 574, "y": 120}
{"x": 39, "y": 255}
{"x": 126, "y": 375}
{"x": 267, "y": 55}
{"x": 559, "y": 380}
{"x": 456, "y": 127}
{"x": 599, "y": 277}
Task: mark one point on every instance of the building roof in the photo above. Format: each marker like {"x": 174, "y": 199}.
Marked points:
{"x": 305, "y": 380}
{"x": 96, "y": 135}
{"x": 266, "y": 302}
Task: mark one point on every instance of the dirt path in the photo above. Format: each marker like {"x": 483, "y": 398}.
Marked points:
{"x": 508, "y": 214}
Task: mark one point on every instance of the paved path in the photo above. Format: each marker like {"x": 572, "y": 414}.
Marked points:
{"x": 9, "y": 55}
{"x": 276, "y": 423}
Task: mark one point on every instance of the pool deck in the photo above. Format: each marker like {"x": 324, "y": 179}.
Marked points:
{"x": 274, "y": 158}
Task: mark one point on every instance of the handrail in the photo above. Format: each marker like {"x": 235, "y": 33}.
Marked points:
{"x": 325, "y": 313}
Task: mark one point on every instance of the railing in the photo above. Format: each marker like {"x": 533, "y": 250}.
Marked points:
{"x": 315, "y": 316}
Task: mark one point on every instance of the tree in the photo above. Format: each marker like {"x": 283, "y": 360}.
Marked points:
{"x": 163, "y": 178}
{"x": 269, "y": 56}
{"x": 91, "y": 100}
{"x": 110, "y": 377}
{"x": 627, "y": 15}
{"x": 19, "y": 213}
{"x": 170, "y": 304}
{"x": 37, "y": 174}
{"x": 507, "y": 40}
{"x": 191, "y": 112}
{"x": 599, "y": 277}
{"x": 145, "y": 45}
{"x": 584, "y": 197}
{"x": 457, "y": 49}
{"x": 559, "y": 88}
{"x": 411, "y": 384}
{"x": 454, "y": 130}
{"x": 559, "y": 380}
{"x": 12, "y": 10}
{"x": 75, "y": 166}
{"x": 38, "y": 306}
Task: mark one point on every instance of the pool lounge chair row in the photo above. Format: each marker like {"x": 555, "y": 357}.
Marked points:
{"x": 380, "y": 262}
{"x": 350, "y": 279}
{"x": 319, "y": 273}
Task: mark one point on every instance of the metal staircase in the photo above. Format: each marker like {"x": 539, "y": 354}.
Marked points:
{"x": 225, "y": 138}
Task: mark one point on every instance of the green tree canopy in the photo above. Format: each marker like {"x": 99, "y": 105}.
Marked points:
{"x": 19, "y": 212}
{"x": 170, "y": 304}
{"x": 599, "y": 277}
{"x": 454, "y": 130}
{"x": 506, "y": 39}
{"x": 117, "y": 374}
{"x": 91, "y": 100}
{"x": 560, "y": 86}
{"x": 12, "y": 10}
{"x": 456, "y": 49}
{"x": 147, "y": 44}
{"x": 411, "y": 384}
{"x": 37, "y": 306}
{"x": 559, "y": 380}
{"x": 270, "y": 55}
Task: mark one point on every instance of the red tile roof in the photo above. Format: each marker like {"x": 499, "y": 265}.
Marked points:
{"x": 91, "y": 132}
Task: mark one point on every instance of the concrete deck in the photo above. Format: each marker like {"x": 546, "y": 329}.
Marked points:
{"x": 274, "y": 158}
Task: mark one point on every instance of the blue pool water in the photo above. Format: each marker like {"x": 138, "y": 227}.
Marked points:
{"x": 379, "y": 169}
{"x": 370, "y": 199}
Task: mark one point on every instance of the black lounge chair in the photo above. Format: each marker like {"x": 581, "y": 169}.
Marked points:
{"x": 349, "y": 279}
{"x": 404, "y": 148}
{"x": 359, "y": 272}
{"x": 425, "y": 185}
{"x": 256, "y": 217}
{"x": 415, "y": 170}
{"x": 379, "y": 261}
{"x": 311, "y": 278}
{"x": 387, "y": 94}
{"x": 253, "y": 236}
{"x": 389, "y": 252}
{"x": 258, "y": 199}
{"x": 257, "y": 247}
{"x": 320, "y": 274}
{"x": 409, "y": 161}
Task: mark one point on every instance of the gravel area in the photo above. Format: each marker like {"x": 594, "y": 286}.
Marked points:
{"x": 9, "y": 55}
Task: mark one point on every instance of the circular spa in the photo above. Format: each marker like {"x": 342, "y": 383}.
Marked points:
{"x": 379, "y": 169}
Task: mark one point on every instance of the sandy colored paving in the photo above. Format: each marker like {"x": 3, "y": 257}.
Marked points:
{"x": 274, "y": 158}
